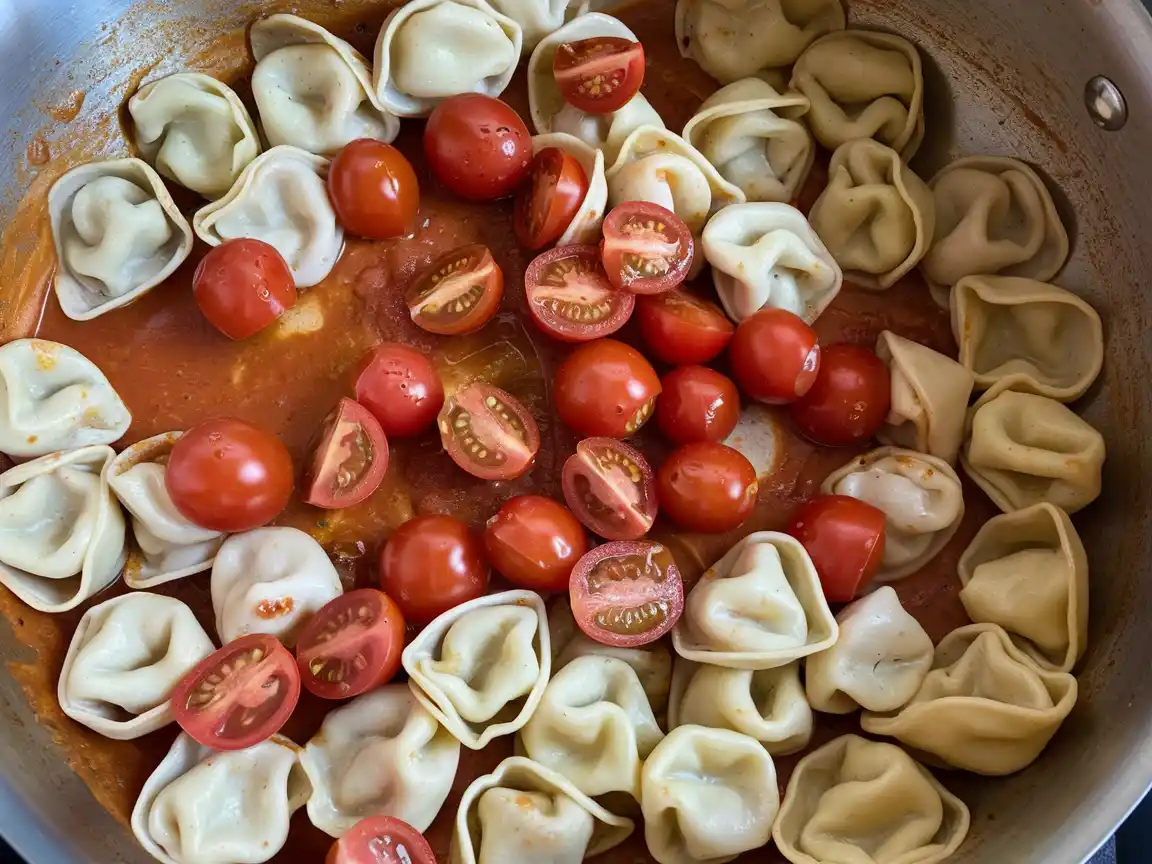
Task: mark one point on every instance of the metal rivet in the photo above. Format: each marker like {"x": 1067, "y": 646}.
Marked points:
{"x": 1105, "y": 103}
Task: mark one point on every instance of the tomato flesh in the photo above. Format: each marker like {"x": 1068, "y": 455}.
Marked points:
{"x": 599, "y": 75}
{"x": 606, "y": 389}
{"x": 381, "y": 840}
{"x": 550, "y": 198}
{"x": 848, "y": 401}
{"x": 535, "y": 542}
{"x": 488, "y": 433}
{"x": 681, "y": 329}
{"x": 399, "y": 385}
{"x": 647, "y": 249}
{"x": 374, "y": 190}
{"x": 242, "y": 286}
{"x": 611, "y": 489}
{"x": 775, "y": 356}
{"x": 351, "y": 459}
{"x": 352, "y": 645}
{"x": 845, "y": 539}
{"x": 570, "y": 297}
{"x": 707, "y": 487}
{"x": 477, "y": 146}
{"x": 431, "y": 564}
{"x": 458, "y": 292}
{"x": 697, "y": 404}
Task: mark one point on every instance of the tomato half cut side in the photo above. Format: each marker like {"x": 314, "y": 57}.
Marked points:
{"x": 844, "y": 538}
{"x": 458, "y": 292}
{"x": 571, "y": 299}
{"x": 599, "y": 75}
{"x": 627, "y": 593}
{"x": 647, "y": 249}
{"x": 611, "y": 489}
{"x": 681, "y": 329}
{"x": 488, "y": 433}
{"x": 550, "y": 199}
{"x": 381, "y": 840}
{"x": 352, "y": 645}
{"x": 350, "y": 460}
{"x": 240, "y": 695}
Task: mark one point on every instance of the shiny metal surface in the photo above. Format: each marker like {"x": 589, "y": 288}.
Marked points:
{"x": 1105, "y": 103}
{"x": 1005, "y": 77}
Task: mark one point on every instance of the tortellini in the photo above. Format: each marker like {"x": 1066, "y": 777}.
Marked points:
{"x": 984, "y": 707}
{"x": 707, "y": 796}
{"x": 118, "y": 234}
{"x": 921, "y": 497}
{"x": 429, "y": 50}
{"x": 53, "y": 398}
{"x": 767, "y": 254}
{"x": 61, "y": 530}
{"x": 481, "y": 668}
{"x": 270, "y": 580}
{"x": 585, "y": 225}
{"x": 1027, "y": 572}
{"x": 380, "y": 754}
{"x": 1025, "y": 449}
{"x": 538, "y": 18}
{"x": 282, "y": 199}
{"x": 876, "y": 216}
{"x": 759, "y": 607}
{"x": 878, "y": 663}
{"x": 195, "y": 130}
{"x": 855, "y": 801}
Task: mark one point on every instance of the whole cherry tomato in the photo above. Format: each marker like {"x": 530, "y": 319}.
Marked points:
{"x": 775, "y": 356}
{"x": 848, "y": 401}
{"x": 535, "y": 542}
{"x": 606, "y": 389}
{"x": 707, "y": 487}
{"x": 477, "y": 146}
{"x": 681, "y": 329}
{"x": 374, "y": 190}
{"x": 697, "y": 404}
{"x": 431, "y": 564}
{"x": 845, "y": 538}
{"x": 399, "y": 385}
{"x": 242, "y": 286}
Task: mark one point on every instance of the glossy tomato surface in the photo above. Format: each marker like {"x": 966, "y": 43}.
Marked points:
{"x": 352, "y": 645}
{"x": 431, "y": 564}
{"x": 458, "y": 292}
{"x": 535, "y": 542}
{"x": 401, "y": 388}
{"x": 611, "y": 488}
{"x": 488, "y": 433}
{"x": 570, "y": 297}
{"x": 707, "y": 487}
{"x": 381, "y": 840}
{"x": 681, "y": 329}
{"x": 549, "y": 199}
{"x": 606, "y": 389}
{"x": 647, "y": 249}
{"x": 697, "y": 404}
{"x": 848, "y": 401}
{"x": 374, "y": 190}
{"x": 242, "y": 286}
{"x": 845, "y": 538}
{"x": 477, "y": 146}
{"x": 775, "y": 356}
{"x": 627, "y": 593}
{"x": 599, "y": 75}
{"x": 350, "y": 460}
{"x": 228, "y": 475}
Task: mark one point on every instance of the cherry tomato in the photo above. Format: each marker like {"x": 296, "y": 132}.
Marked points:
{"x": 352, "y": 645}
{"x": 571, "y": 299}
{"x": 599, "y": 75}
{"x": 351, "y": 459}
{"x": 697, "y": 404}
{"x": 431, "y": 564}
{"x": 549, "y": 199}
{"x": 681, "y": 329}
{"x": 240, "y": 695}
{"x": 242, "y": 286}
{"x": 535, "y": 542}
{"x": 477, "y": 146}
{"x": 400, "y": 387}
{"x": 646, "y": 248}
{"x": 848, "y": 401}
{"x": 606, "y": 389}
{"x": 381, "y": 840}
{"x": 707, "y": 487}
{"x": 845, "y": 539}
{"x": 374, "y": 190}
{"x": 458, "y": 292}
{"x": 627, "y": 593}
{"x": 228, "y": 475}
{"x": 488, "y": 433}
{"x": 775, "y": 357}
{"x": 611, "y": 489}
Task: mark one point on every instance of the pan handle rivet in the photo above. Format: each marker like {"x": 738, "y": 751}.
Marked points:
{"x": 1105, "y": 103}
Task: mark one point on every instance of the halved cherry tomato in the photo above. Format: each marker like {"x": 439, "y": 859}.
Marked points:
{"x": 352, "y": 645}
{"x": 240, "y": 695}
{"x": 707, "y": 487}
{"x": 606, "y": 389}
{"x": 848, "y": 401}
{"x": 646, "y": 248}
{"x": 399, "y": 385}
{"x": 228, "y": 475}
{"x": 611, "y": 489}
{"x": 845, "y": 539}
{"x": 549, "y": 200}
{"x": 775, "y": 356}
{"x": 477, "y": 146}
{"x": 381, "y": 840}
{"x": 351, "y": 459}
{"x": 681, "y": 329}
{"x": 571, "y": 299}
{"x": 488, "y": 433}
{"x": 242, "y": 286}
{"x": 627, "y": 593}
{"x": 374, "y": 190}
{"x": 697, "y": 404}
{"x": 458, "y": 292}
{"x": 535, "y": 542}
{"x": 431, "y": 564}
{"x": 599, "y": 75}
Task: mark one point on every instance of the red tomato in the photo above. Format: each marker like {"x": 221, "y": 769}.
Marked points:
{"x": 242, "y": 286}
{"x": 535, "y": 542}
{"x": 352, "y": 645}
{"x": 707, "y": 487}
{"x": 848, "y": 401}
{"x": 488, "y": 433}
{"x": 351, "y": 459}
{"x": 646, "y": 248}
{"x": 606, "y": 389}
{"x": 400, "y": 387}
{"x": 599, "y": 75}
{"x": 374, "y": 190}
{"x": 477, "y": 146}
{"x": 681, "y": 329}
{"x": 458, "y": 292}
{"x": 571, "y": 299}
{"x": 697, "y": 404}
{"x": 430, "y": 564}
{"x": 381, "y": 840}
{"x": 549, "y": 200}
{"x": 775, "y": 357}
{"x": 240, "y": 695}
{"x": 627, "y": 593}
{"x": 845, "y": 539}
{"x": 227, "y": 475}
{"x": 611, "y": 489}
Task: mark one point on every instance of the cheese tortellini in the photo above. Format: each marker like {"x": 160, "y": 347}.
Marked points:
{"x": 585, "y": 225}
{"x": 538, "y": 18}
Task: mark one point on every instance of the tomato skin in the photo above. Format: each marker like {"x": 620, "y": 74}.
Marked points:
{"x": 242, "y": 286}
{"x": 775, "y": 356}
{"x": 228, "y": 475}
{"x": 364, "y": 628}
{"x": 431, "y": 564}
{"x": 401, "y": 388}
{"x": 488, "y": 433}
{"x": 535, "y": 542}
{"x": 646, "y": 249}
{"x": 848, "y": 401}
{"x": 350, "y": 460}
{"x": 697, "y": 404}
{"x": 606, "y": 389}
{"x": 599, "y": 75}
{"x": 570, "y": 297}
{"x": 844, "y": 538}
{"x": 477, "y": 146}
{"x": 681, "y": 329}
{"x": 549, "y": 199}
{"x": 455, "y": 277}
{"x": 707, "y": 487}
{"x": 374, "y": 190}
{"x": 381, "y": 840}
